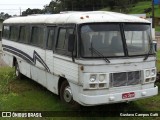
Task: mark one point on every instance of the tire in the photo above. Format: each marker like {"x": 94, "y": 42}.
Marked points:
{"x": 17, "y": 71}
{"x": 66, "y": 95}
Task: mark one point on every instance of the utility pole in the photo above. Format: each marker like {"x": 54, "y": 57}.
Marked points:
{"x": 153, "y": 25}
{"x": 93, "y": 5}
{"x": 20, "y": 12}
{"x": 72, "y": 5}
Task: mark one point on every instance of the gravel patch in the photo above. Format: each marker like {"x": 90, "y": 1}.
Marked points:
{"x": 157, "y": 33}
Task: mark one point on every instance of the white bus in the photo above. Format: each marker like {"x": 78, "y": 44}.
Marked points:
{"x": 92, "y": 58}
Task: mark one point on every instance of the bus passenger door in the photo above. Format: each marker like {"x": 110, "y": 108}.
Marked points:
{"x": 49, "y": 47}
{"x": 52, "y": 80}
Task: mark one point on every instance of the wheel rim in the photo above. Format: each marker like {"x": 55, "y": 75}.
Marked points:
{"x": 67, "y": 94}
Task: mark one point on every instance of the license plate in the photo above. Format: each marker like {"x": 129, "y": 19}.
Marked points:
{"x": 128, "y": 95}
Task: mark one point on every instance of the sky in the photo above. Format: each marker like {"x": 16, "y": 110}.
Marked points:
{"x": 13, "y": 7}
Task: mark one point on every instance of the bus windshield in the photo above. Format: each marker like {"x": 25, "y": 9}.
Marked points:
{"x": 138, "y": 38}
{"x": 107, "y": 39}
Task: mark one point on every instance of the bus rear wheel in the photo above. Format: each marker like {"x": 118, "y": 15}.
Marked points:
{"x": 17, "y": 71}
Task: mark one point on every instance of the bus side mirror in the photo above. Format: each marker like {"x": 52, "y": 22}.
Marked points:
{"x": 154, "y": 45}
{"x": 71, "y": 42}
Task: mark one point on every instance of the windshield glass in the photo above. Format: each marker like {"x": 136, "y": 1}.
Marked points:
{"x": 105, "y": 38}
{"x": 138, "y": 37}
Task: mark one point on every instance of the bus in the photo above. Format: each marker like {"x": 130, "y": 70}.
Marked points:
{"x": 90, "y": 58}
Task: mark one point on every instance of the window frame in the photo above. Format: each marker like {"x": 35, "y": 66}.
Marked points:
{"x": 65, "y": 51}
{"x": 150, "y": 41}
{"x": 54, "y": 27}
{"x": 123, "y": 40}
{"x": 121, "y": 33}
{"x": 8, "y": 37}
{"x": 14, "y": 25}
{"x": 29, "y": 33}
{"x": 44, "y": 37}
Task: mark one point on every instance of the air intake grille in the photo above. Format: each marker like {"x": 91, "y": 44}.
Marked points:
{"x": 125, "y": 78}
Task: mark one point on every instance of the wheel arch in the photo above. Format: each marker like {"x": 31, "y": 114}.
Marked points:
{"x": 14, "y": 61}
{"x": 61, "y": 80}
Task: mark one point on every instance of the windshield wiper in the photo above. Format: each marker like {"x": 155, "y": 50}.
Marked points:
{"x": 147, "y": 55}
{"x": 93, "y": 50}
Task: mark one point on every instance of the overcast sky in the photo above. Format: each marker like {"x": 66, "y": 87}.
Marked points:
{"x": 13, "y": 7}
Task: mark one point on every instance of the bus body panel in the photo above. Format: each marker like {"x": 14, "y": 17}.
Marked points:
{"x": 141, "y": 65}
{"x": 77, "y": 17}
{"x": 95, "y": 96}
{"x": 37, "y": 72}
{"x": 7, "y": 58}
{"x": 110, "y": 96}
{"x": 57, "y": 66}
{"x": 116, "y": 97}
{"x": 38, "y": 75}
{"x": 49, "y": 59}
{"x": 64, "y": 67}
{"x": 24, "y": 67}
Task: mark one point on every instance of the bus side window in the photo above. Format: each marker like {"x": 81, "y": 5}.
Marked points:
{"x": 6, "y": 32}
{"x": 24, "y": 34}
{"x": 70, "y": 31}
{"x": 62, "y": 41}
{"x": 37, "y": 36}
{"x": 50, "y": 39}
{"x": 14, "y": 33}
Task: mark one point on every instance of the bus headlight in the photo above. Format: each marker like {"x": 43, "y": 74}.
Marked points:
{"x": 147, "y": 73}
{"x": 153, "y": 72}
{"x": 102, "y": 77}
{"x": 150, "y": 75}
{"x": 97, "y": 81}
{"x": 92, "y": 78}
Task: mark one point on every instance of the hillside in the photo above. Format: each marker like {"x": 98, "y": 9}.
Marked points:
{"x": 138, "y": 9}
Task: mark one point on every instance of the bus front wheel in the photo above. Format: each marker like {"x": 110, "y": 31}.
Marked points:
{"x": 66, "y": 93}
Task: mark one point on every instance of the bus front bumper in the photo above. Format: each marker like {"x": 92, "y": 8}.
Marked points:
{"x": 88, "y": 100}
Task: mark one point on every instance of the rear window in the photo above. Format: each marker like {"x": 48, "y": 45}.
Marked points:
{"x": 6, "y": 32}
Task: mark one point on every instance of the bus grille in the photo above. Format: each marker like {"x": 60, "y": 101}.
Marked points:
{"x": 125, "y": 78}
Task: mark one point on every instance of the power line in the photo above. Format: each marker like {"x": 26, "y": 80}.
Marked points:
{"x": 12, "y": 9}
{"x": 22, "y": 4}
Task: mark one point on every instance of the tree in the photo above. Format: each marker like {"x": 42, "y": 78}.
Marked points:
{"x": 4, "y": 15}
{"x": 56, "y": 6}
{"x": 32, "y": 11}
{"x": 111, "y": 4}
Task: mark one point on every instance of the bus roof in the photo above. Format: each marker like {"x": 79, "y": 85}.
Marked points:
{"x": 77, "y": 17}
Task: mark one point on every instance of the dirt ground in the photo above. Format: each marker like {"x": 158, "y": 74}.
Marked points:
{"x": 2, "y": 63}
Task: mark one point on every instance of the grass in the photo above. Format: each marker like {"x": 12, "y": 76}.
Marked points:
{"x": 158, "y": 60}
{"x": 26, "y": 92}
{"x": 139, "y": 7}
{"x": 27, "y": 95}
{"x": 157, "y": 28}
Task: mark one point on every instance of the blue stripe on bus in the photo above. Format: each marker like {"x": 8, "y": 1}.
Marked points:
{"x": 26, "y": 57}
